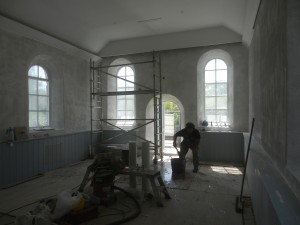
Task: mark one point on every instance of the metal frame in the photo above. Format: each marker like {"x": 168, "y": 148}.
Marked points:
{"x": 96, "y": 94}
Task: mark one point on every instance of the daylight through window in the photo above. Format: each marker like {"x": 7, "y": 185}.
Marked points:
{"x": 38, "y": 97}
{"x": 216, "y": 92}
{"x": 125, "y": 103}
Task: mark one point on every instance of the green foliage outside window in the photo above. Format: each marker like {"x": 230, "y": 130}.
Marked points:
{"x": 172, "y": 108}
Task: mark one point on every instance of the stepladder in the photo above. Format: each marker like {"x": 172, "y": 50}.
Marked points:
{"x": 155, "y": 179}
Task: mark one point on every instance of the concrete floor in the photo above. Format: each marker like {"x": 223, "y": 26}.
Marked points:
{"x": 207, "y": 197}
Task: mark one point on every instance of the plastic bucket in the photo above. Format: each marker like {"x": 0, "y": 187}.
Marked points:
{"x": 178, "y": 165}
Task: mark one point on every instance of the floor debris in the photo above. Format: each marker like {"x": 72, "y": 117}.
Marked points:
{"x": 206, "y": 197}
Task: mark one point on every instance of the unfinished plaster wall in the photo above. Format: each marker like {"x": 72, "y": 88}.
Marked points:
{"x": 268, "y": 79}
{"x": 69, "y": 109}
{"x": 179, "y": 67}
{"x": 273, "y": 99}
{"x": 293, "y": 92}
{"x": 268, "y": 76}
{"x": 68, "y": 77}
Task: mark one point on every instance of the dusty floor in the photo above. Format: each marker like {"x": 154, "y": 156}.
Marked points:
{"x": 207, "y": 197}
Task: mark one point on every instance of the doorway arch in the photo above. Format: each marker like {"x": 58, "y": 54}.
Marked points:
{"x": 150, "y": 114}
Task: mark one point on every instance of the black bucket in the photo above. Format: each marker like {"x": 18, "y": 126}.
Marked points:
{"x": 178, "y": 165}
{"x": 103, "y": 181}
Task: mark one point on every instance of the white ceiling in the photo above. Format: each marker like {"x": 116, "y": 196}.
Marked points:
{"x": 93, "y": 24}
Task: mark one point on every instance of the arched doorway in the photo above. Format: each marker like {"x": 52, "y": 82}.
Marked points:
{"x": 177, "y": 108}
{"x": 171, "y": 124}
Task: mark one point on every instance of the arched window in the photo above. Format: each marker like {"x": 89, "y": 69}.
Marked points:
{"x": 216, "y": 92}
{"x": 38, "y": 97}
{"x": 125, "y": 103}
{"x": 215, "y": 84}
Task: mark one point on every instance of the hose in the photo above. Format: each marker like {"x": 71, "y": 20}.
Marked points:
{"x": 124, "y": 220}
{"x": 138, "y": 206}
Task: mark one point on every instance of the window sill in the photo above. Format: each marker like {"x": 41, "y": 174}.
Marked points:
{"x": 216, "y": 129}
{"x": 42, "y": 129}
{"x": 124, "y": 126}
{"x": 44, "y": 132}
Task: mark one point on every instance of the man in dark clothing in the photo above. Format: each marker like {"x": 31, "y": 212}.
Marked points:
{"x": 191, "y": 140}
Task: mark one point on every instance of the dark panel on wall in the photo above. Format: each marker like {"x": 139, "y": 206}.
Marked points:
{"x": 222, "y": 147}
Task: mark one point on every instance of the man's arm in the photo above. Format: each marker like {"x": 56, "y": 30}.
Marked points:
{"x": 175, "y": 140}
{"x": 177, "y": 134}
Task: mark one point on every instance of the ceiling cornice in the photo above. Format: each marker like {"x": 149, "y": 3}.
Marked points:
{"x": 24, "y": 30}
{"x": 188, "y": 39}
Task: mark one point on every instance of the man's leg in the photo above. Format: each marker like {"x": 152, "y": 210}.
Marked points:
{"x": 183, "y": 150}
{"x": 195, "y": 159}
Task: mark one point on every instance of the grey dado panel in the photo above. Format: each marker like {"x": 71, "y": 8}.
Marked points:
{"x": 273, "y": 200}
{"x": 222, "y": 147}
{"x": 32, "y": 157}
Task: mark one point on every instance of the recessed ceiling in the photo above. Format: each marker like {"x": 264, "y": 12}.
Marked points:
{"x": 92, "y": 24}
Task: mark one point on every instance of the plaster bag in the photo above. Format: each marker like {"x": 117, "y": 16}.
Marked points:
{"x": 66, "y": 200}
